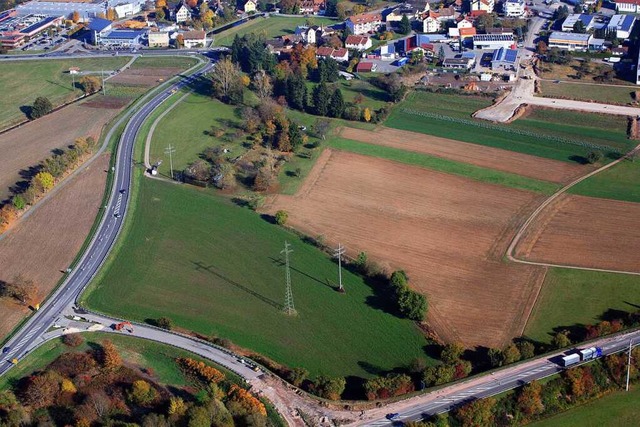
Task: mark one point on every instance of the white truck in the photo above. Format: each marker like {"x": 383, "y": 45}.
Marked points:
{"x": 581, "y": 356}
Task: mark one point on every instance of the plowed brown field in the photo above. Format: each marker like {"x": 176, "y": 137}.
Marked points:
{"x": 28, "y": 145}
{"x": 479, "y": 155}
{"x": 449, "y": 233}
{"x": 144, "y": 76}
{"x": 41, "y": 246}
{"x": 585, "y": 232}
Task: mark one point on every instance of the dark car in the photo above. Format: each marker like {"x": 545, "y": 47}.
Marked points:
{"x": 392, "y": 416}
{"x": 6, "y": 350}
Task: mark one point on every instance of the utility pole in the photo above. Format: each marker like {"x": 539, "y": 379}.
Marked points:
{"x": 170, "y": 150}
{"x": 338, "y": 253}
{"x": 288, "y": 296}
{"x": 104, "y": 90}
{"x": 73, "y": 80}
{"x": 628, "y": 366}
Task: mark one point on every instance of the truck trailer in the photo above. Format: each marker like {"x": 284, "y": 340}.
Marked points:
{"x": 583, "y": 355}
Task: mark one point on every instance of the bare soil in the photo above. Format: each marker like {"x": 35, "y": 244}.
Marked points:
{"x": 479, "y": 155}
{"x": 447, "y": 232}
{"x": 108, "y": 102}
{"x": 26, "y": 146}
{"x": 144, "y": 76}
{"x": 585, "y": 232}
{"x": 43, "y": 245}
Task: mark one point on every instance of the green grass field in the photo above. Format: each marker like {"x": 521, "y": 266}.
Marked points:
{"x": 573, "y": 297}
{"x": 22, "y": 82}
{"x": 580, "y": 127}
{"x": 185, "y": 126}
{"x": 616, "y": 409}
{"x": 149, "y": 354}
{"x": 619, "y": 182}
{"x": 268, "y": 27}
{"x": 216, "y": 269}
{"x": 444, "y": 165}
{"x": 583, "y": 92}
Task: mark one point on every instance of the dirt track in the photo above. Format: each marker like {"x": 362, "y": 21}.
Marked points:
{"x": 144, "y": 76}
{"x": 35, "y": 141}
{"x": 449, "y": 233}
{"x": 488, "y": 157}
{"x": 45, "y": 243}
{"x": 585, "y": 232}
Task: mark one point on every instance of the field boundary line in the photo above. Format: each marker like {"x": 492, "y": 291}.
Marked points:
{"x": 518, "y": 236}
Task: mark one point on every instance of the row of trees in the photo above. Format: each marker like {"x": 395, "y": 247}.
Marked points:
{"x": 97, "y": 388}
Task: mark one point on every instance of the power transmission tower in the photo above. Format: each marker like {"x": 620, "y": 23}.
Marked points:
{"x": 170, "y": 150}
{"x": 338, "y": 253}
{"x": 288, "y": 296}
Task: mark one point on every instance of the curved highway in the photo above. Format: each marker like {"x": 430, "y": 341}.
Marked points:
{"x": 30, "y": 335}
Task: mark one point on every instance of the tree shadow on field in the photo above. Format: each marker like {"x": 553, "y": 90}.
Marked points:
{"x": 581, "y": 160}
{"x": 26, "y": 110}
{"x": 636, "y": 306}
{"x": 353, "y": 388}
{"x": 200, "y": 266}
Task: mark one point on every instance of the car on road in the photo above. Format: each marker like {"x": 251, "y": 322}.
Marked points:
{"x": 392, "y": 416}
{"x": 117, "y": 215}
{"x": 123, "y": 191}
{"x": 6, "y": 350}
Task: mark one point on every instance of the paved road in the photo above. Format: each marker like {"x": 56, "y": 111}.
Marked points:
{"x": 30, "y": 334}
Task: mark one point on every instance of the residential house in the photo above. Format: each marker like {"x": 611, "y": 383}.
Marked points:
{"x": 464, "y": 23}
{"x": 430, "y": 25}
{"x": 627, "y": 6}
{"x": 358, "y": 43}
{"x": 366, "y": 67}
{"x": 571, "y": 20}
{"x": 458, "y": 63}
{"x": 181, "y": 13}
{"x": 514, "y": 8}
{"x": 622, "y": 25}
{"x": 461, "y": 33}
{"x": 499, "y": 30}
{"x": 249, "y": 6}
{"x": 98, "y": 27}
{"x": 310, "y": 35}
{"x": 159, "y": 39}
{"x": 486, "y": 5}
{"x": 340, "y": 55}
{"x": 193, "y": 39}
{"x": 364, "y": 23}
{"x": 311, "y": 7}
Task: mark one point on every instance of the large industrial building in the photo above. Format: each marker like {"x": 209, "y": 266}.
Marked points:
{"x": 492, "y": 41}
{"x": 17, "y": 30}
{"x": 86, "y": 9}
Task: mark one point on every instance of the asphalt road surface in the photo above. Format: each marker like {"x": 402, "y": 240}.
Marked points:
{"x": 30, "y": 335}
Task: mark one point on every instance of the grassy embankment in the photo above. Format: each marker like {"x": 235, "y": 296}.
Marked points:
{"x": 23, "y": 81}
{"x": 616, "y": 409}
{"x": 546, "y": 125}
{"x": 587, "y": 92}
{"x": 268, "y": 27}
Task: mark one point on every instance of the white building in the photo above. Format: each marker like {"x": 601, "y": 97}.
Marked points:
{"x": 127, "y": 9}
{"x": 514, "y": 8}
{"x": 486, "y": 5}
{"x": 193, "y": 39}
{"x": 464, "y": 23}
{"x": 430, "y": 25}
{"x": 364, "y": 23}
{"x": 622, "y": 25}
{"x": 571, "y": 20}
{"x": 358, "y": 43}
{"x": 492, "y": 41}
{"x": 182, "y": 13}
{"x": 570, "y": 41}
{"x": 628, "y": 6}
{"x": 159, "y": 39}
